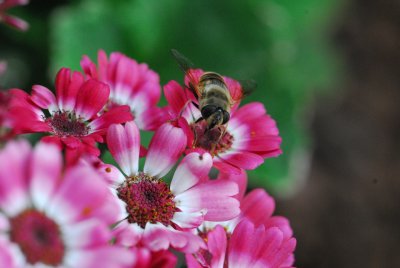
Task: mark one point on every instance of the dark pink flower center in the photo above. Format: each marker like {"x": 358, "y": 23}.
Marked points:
{"x": 147, "y": 200}
{"x": 216, "y": 140}
{"x": 67, "y": 124}
{"x": 38, "y": 237}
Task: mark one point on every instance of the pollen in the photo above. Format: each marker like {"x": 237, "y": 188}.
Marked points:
{"x": 216, "y": 140}
{"x": 66, "y": 124}
{"x": 38, "y": 237}
{"x": 147, "y": 200}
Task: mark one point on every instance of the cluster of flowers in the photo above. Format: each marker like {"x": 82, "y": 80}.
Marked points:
{"x": 62, "y": 206}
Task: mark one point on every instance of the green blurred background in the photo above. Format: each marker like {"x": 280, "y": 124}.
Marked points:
{"x": 327, "y": 71}
{"x": 280, "y": 44}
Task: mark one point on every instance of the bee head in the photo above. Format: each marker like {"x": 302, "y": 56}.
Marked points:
{"x": 214, "y": 115}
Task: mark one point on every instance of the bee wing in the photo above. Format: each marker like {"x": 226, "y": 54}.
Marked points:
{"x": 240, "y": 89}
{"x": 248, "y": 86}
{"x": 188, "y": 68}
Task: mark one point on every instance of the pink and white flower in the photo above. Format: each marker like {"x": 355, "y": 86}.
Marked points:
{"x": 54, "y": 217}
{"x": 72, "y": 117}
{"x": 253, "y": 239}
{"x": 131, "y": 84}
{"x": 11, "y": 20}
{"x": 247, "y": 246}
{"x": 250, "y": 136}
{"x": 159, "y": 215}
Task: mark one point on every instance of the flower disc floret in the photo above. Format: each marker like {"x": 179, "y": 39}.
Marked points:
{"x": 148, "y": 200}
{"x": 38, "y": 236}
{"x": 66, "y": 124}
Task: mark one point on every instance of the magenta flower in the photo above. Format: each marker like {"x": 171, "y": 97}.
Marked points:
{"x": 72, "y": 117}
{"x": 249, "y": 137}
{"x": 11, "y": 20}
{"x": 54, "y": 217}
{"x": 161, "y": 215}
{"x": 131, "y": 84}
{"x": 253, "y": 239}
{"x": 247, "y": 246}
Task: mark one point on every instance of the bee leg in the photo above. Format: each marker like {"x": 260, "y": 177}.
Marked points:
{"x": 199, "y": 119}
{"x": 195, "y": 105}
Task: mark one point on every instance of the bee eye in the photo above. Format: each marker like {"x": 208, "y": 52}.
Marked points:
{"x": 208, "y": 110}
{"x": 226, "y": 117}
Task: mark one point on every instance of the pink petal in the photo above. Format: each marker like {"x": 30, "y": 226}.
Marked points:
{"x": 193, "y": 168}
{"x": 217, "y": 242}
{"x": 44, "y": 98}
{"x": 67, "y": 87}
{"x": 91, "y": 232}
{"x": 241, "y": 244}
{"x": 91, "y": 98}
{"x": 166, "y": 146}
{"x": 100, "y": 256}
{"x": 151, "y": 118}
{"x": 249, "y": 111}
{"x": 242, "y": 159}
{"x": 15, "y": 22}
{"x": 258, "y": 206}
{"x": 116, "y": 115}
{"x": 240, "y": 179}
{"x": 124, "y": 145}
{"x": 192, "y": 262}
{"x": 89, "y": 68}
{"x": 46, "y": 164}
{"x": 14, "y": 176}
{"x": 189, "y": 220}
{"x": 215, "y": 196}
{"x": 71, "y": 203}
{"x": 159, "y": 237}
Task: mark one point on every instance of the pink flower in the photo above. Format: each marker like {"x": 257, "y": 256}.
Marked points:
{"x": 131, "y": 84}
{"x": 249, "y": 137}
{"x": 146, "y": 258}
{"x": 247, "y": 246}
{"x": 50, "y": 216}
{"x": 253, "y": 239}
{"x": 158, "y": 215}
{"x": 71, "y": 117}
{"x": 11, "y": 20}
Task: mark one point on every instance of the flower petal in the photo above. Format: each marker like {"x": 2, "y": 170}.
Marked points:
{"x": 67, "y": 87}
{"x": 124, "y": 146}
{"x": 193, "y": 169}
{"x": 92, "y": 96}
{"x": 44, "y": 98}
{"x": 215, "y": 196}
{"x": 166, "y": 146}
{"x": 46, "y": 167}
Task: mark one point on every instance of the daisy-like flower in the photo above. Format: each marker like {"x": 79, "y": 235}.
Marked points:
{"x": 247, "y": 246}
{"x": 54, "y": 217}
{"x": 159, "y": 215}
{"x": 71, "y": 117}
{"x": 11, "y": 20}
{"x": 253, "y": 239}
{"x": 131, "y": 84}
{"x": 250, "y": 135}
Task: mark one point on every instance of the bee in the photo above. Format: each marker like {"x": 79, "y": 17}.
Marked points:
{"x": 214, "y": 98}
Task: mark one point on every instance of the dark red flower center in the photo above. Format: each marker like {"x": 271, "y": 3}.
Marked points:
{"x": 67, "y": 124}
{"x": 38, "y": 237}
{"x": 147, "y": 200}
{"x": 216, "y": 140}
